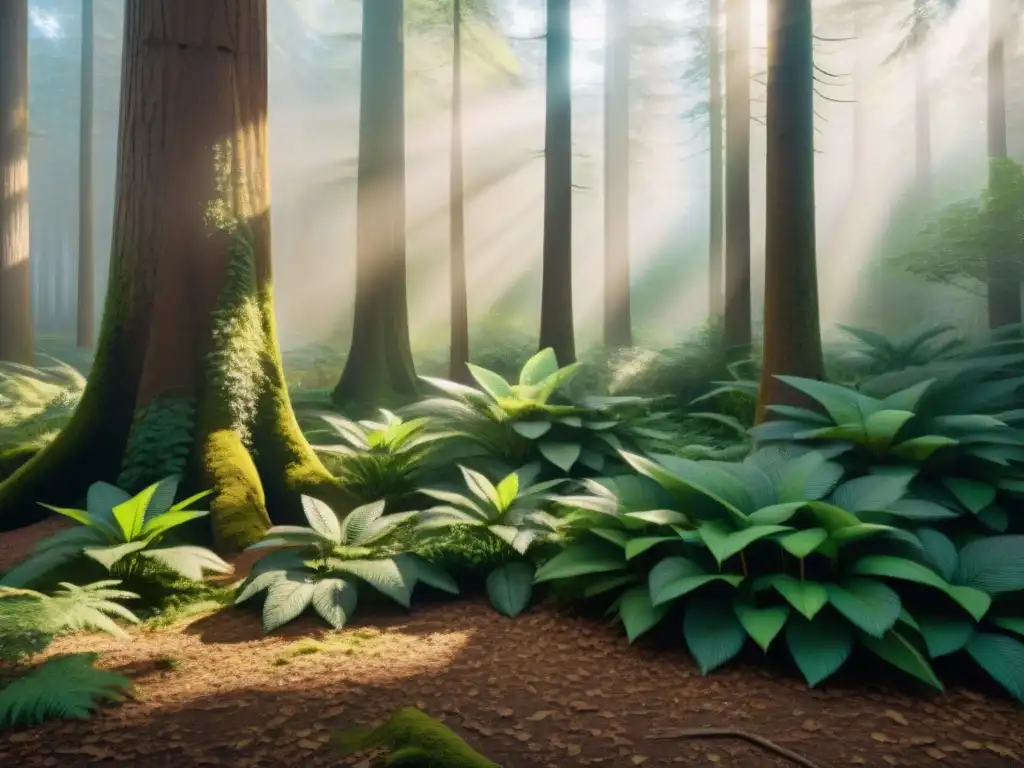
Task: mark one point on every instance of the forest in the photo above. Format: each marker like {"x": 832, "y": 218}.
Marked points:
{"x": 611, "y": 382}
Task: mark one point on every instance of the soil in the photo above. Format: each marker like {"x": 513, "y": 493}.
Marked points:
{"x": 548, "y": 689}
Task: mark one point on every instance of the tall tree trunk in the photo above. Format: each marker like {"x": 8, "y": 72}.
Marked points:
{"x": 716, "y": 241}
{"x": 556, "y": 316}
{"x": 792, "y": 336}
{"x": 16, "y": 336}
{"x": 922, "y": 102}
{"x": 858, "y": 155}
{"x": 737, "y": 179}
{"x": 618, "y": 324}
{"x": 459, "y": 346}
{"x": 86, "y": 260}
{"x": 1004, "y": 307}
{"x": 380, "y": 367}
{"x": 187, "y": 377}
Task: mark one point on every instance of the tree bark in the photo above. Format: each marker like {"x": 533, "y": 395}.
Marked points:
{"x": 618, "y": 325}
{"x": 556, "y": 314}
{"x": 737, "y": 328}
{"x": 86, "y": 260}
{"x": 1004, "y": 306}
{"x": 187, "y": 377}
{"x": 716, "y": 271}
{"x": 380, "y": 367}
{"x": 16, "y": 332}
{"x": 922, "y": 102}
{"x": 792, "y": 336}
{"x": 459, "y": 351}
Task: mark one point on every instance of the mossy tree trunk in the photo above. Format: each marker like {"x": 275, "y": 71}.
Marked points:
{"x": 618, "y": 325}
{"x": 380, "y": 365}
{"x": 187, "y": 376}
{"x": 86, "y": 262}
{"x": 556, "y": 315}
{"x": 16, "y": 337}
{"x": 716, "y": 217}
{"x": 459, "y": 347}
{"x": 792, "y": 336}
{"x": 737, "y": 328}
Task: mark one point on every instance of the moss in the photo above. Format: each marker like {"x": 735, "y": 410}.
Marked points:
{"x": 238, "y": 509}
{"x": 414, "y": 739}
{"x": 16, "y": 457}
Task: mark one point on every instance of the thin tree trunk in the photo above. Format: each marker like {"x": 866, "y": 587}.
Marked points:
{"x": 379, "y": 367}
{"x": 922, "y": 104}
{"x": 556, "y": 314}
{"x": 792, "y": 336}
{"x": 187, "y": 377}
{"x": 618, "y": 325}
{"x": 16, "y": 333}
{"x": 86, "y": 260}
{"x": 858, "y": 154}
{"x": 737, "y": 326}
{"x": 459, "y": 350}
{"x": 716, "y": 241}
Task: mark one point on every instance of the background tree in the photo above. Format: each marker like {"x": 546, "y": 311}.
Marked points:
{"x": 792, "y": 336}
{"x": 459, "y": 348}
{"x": 187, "y": 376}
{"x": 716, "y": 213}
{"x": 16, "y": 331}
{"x": 379, "y": 364}
{"x": 86, "y": 261}
{"x": 556, "y": 312}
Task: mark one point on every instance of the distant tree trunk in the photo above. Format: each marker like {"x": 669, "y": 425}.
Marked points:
{"x": 618, "y": 325}
{"x": 737, "y": 179}
{"x": 716, "y": 272}
{"x": 379, "y": 365}
{"x": 1004, "y": 306}
{"x": 459, "y": 350}
{"x": 556, "y": 316}
{"x": 86, "y": 260}
{"x": 792, "y": 336}
{"x": 187, "y": 377}
{"x": 16, "y": 334}
{"x": 922, "y": 102}
{"x": 858, "y": 154}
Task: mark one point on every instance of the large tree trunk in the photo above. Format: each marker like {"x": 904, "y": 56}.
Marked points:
{"x": 16, "y": 337}
{"x": 86, "y": 261}
{"x": 380, "y": 367}
{"x": 618, "y": 324}
{"x": 922, "y": 102}
{"x": 556, "y": 316}
{"x": 1004, "y": 306}
{"x": 716, "y": 272}
{"x": 737, "y": 179}
{"x": 459, "y": 348}
{"x": 792, "y": 337}
{"x": 187, "y": 377}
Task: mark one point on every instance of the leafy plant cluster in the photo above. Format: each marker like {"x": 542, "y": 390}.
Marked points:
{"x": 160, "y": 441}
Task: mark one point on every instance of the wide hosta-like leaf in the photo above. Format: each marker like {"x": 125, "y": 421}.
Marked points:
{"x": 713, "y": 633}
{"x": 723, "y": 542}
{"x": 322, "y": 518}
{"x": 994, "y": 565}
{"x": 423, "y": 571}
{"x": 287, "y": 598}
{"x": 384, "y": 575}
{"x": 563, "y": 455}
{"x": 510, "y": 587}
{"x": 944, "y": 635}
{"x": 108, "y": 557}
{"x": 871, "y": 492}
{"x": 189, "y": 561}
{"x": 159, "y": 525}
{"x": 581, "y": 559}
{"x": 1002, "y": 657}
{"x": 941, "y": 551}
{"x": 39, "y": 565}
{"x": 356, "y": 522}
{"x": 871, "y": 606}
{"x": 101, "y": 498}
{"x": 897, "y": 650}
{"x": 761, "y": 624}
{"x": 807, "y": 597}
{"x": 637, "y": 613}
{"x": 819, "y": 646}
{"x": 335, "y": 601}
{"x": 972, "y": 600}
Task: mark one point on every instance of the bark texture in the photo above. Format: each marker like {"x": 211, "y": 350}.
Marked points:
{"x": 556, "y": 315}
{"x": 380, "y": 365}
{"x": 187, "y": 377}
{"x": 86, "y": 260}
{"x": 792, "y": 335}
{"x": 736, "y": 327}
{"x": 716, "y": 218}
{"x": 618, "y": 325}
{"x": 16, "y": 333}
{"x": 459, "y": 347}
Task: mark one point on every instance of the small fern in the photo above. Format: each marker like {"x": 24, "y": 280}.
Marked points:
{"x": 160, "y": 442}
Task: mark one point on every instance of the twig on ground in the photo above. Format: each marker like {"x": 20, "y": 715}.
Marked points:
{"x": 735, "y": 733}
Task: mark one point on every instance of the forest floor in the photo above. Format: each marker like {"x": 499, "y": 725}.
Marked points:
{"x": 545, "y": 689}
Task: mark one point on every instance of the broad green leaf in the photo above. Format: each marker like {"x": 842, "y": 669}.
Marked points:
{"x": 994, "y": 565}
{"x": 384, "y": 575}
{"x": 258, "y": 582}
{"x": 713, "y": 633}
{"x": 870, "y": 492}
{"x": 807, "y": 597}
{"x": 922, "y": 448}
{"x": 669, "y": 570}
{"x": 607, "y": 583}
{"x": 286, "y": 599}
{"x": 159, "y": 525}
{"x": 802, "y": 543}
{"x": 481, "y": 487}
{"x": 552, "y": 383}
{"x": 101, "y": 498}
{"x": 683, "y": 489}
{"x": 761, "y": 624}
{"x": 131, "y": 515}
{"x": 895, "y": 649}
{"x": 941, "y": 551}
{"x": 581, "y": 559}
{"x": 830, "y": 517}
{"x": 510, "y": 587}
{"x": 538, "y": 368}
{"x": 358, "y": 522}
{"x": 78, "y": 515}
{"x": 844, "y": 405}
{"x": 881, "y": 427}
{"x": 687, "y": 584}
{"x": 637, "y": 613}
{"x": 974, "y": 495}
{"x": 430, "y": 574}
{"x": 507, "y": 490}
{"x": 862, "y": 531}
{"x": 994, "y": 518}
{"x": 562, "y": 455}
{"x": 616, "y": 536}
{"x": 1015, "y": 625}
{"x": 322, "y": 518}
{"x": 819, "y": 646}
{"x": 189, "y": 561}
{"x": 724, "y": 543}
{"x": 871, "y": 606}
{"x": 659, "y": 517}
{"x": 493, "y": 384}
{"x": 108, "y": 557}
{"x": 531, "y": 430}
{"x": 944, "y": 635}
{"x": 335, "y": 601}
{"x": 920, "y": 510}
{"x": 776, "y": 514}
{"x": 33, "y": 568}
{"x": 637, "y": 546}
{"x": 973, "y": 601}
{"x": 162, "y": 499}
{"x": 1002, "y": 657}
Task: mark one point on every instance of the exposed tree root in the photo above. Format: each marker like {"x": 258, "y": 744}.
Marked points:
{"x": 736, "y": 733}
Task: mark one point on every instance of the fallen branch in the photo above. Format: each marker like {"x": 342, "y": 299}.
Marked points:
{"x": 735, "y": 733}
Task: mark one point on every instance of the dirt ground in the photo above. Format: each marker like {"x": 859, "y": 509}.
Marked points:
{"x": 545, "y": 690}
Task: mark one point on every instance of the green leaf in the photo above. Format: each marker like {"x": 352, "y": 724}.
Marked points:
{"x": 944, "y": 635}
{"x": 607, "y": 584}
{"x": 159, "y": 525}
{"x": 531, "y": 430}
{"x": 637, "y": 613}
{"x": 101, "y": 498}
{"x": 493, "y": 384}
{"x": 357, "y": 522}
{"x": 687, "y": 584}
{"x": 162, "y": 498}
{"x": 1002, "y": 657}
{"x": 581, "y": 559}
{"x": 807, "y": 597}
{"x": 724, "y": 543}
{"x": 844, "y": 405}
{"x": 776, "y": 514}
{"x": 869, "y": 605}
{"x": 287, "y": 598}
{"x": 562, "y": 455}
{"x": 189, "y": 561}
{"x": 762, "y": 624}
{"x": 78, "y": 515}
{"x": 335, "y": 601}
{"x": 131, "y": 515}
{"x": 384, "y": 575}
{"x": 971, "y": 600}
{"x": 538, "y": 368}
{"x": 819, "y": 646}
{"x": 881, "y": 427}
{"x": 871, "y": 492}
{"x": 431, "y": 574}
{"x": 108, "y": 557}
{"x": 896, "y": 650}
{"x": 941, "y": 551}
{"x": 481, "y": 487}
{"x": 921, "y": 448}
{"x": 803, "y": 543}
{"x": 637, "y": 546}
{"x": 510, "y": 587}
{"x": 994, "y": 565}
{"x": 322, "y": 518}
{"x": 258, "y": 582}
{"x": 1010, "y": 624}
{"x": 659, "y": 517}
{"x": 713, "y": 633}
{"x": 974, "y": 495}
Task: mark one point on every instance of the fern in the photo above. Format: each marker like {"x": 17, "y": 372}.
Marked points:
{"x": 160, "y": 442}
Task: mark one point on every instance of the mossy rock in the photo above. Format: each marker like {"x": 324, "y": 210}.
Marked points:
{"x": 14, "y": 458}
